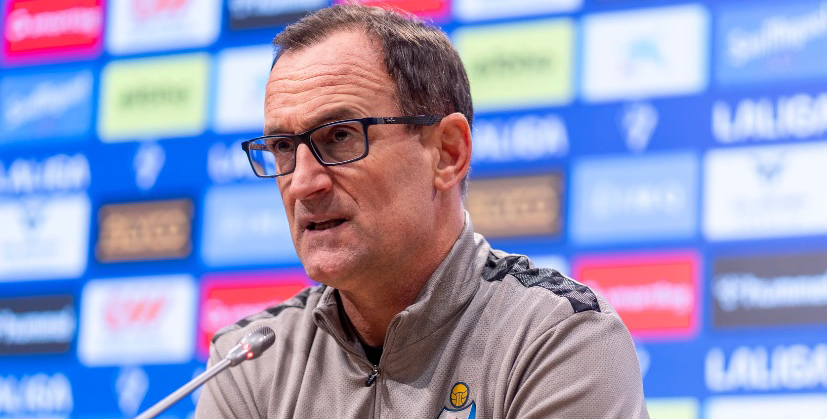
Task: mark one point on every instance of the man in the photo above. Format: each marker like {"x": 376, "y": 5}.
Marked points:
{"x": 417, "y": 316}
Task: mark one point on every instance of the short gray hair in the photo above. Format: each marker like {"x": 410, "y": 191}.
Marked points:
{"x": 425, "y": 67}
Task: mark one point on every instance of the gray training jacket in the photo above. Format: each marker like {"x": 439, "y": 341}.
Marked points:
{"x": 489, "y": 336}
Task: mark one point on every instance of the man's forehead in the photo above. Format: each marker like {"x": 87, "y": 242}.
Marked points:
{"x": 340, "y": 46}
{"x": 340, "y": 69}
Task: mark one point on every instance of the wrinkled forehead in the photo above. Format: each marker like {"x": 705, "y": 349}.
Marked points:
{"x": 344, "y": 69}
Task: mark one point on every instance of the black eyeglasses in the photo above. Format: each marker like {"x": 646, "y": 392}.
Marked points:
{"x": 334, "y": 143}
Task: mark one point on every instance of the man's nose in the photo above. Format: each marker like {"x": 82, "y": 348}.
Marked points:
{"x": 309, "y": 178}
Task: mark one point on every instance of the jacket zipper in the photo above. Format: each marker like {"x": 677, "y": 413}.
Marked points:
{"x": 372, "y": 377}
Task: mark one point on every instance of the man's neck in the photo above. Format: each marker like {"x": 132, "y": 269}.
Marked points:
{"x": 371, "y": 309}
{"x": 371, "y": 315}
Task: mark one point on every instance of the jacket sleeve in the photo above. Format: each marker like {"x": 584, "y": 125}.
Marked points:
{"x": 222, "y": 397}
{"x": 584, "y": 367}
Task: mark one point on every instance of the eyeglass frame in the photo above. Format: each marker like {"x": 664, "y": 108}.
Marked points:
{"x": 304, "y": 138}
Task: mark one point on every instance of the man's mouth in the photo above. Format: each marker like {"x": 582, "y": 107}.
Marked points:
{"x": 324, "y": 225}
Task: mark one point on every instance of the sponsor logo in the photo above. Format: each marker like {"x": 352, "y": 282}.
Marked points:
{"x": 46, "y": 106}
{"x": 58, "y": 173}
{"x": 656, "y": 295}
{"x": 141, "y": 320}
{"x": 522, "y": 138}
{"x": 762, "y": 368}
{"x": 35, "y": 395}
{"x": 154, "y": 97}
{"x": 228, "y": 163}
{"x": 44, "y": 216}
{"x": 517, "y": 206}
{"x": 495, "y": 9}
{"x": 673, "y": 408}
{"x": 770, "y": 290}
{"x": 242, "y": 79}
{"x": 519, "y": 64}
{"x": 431, "y": 9}
{"x": 228, "y": 298}
{"x": 245, "y": 224}
{"x": 798, "y": 116}
{"x": 654, "y": 52}
{"x": 144, "y": 231}
{"x": 788, "y": 406}
{"x": 131, "y": 385}
{"x": 148, "y": 163}
{"x": 646, "y": 197}
{"x": 44, "y": 236}
{"x": 784, "y": 41}
{"x": 48, "y": 30}
{"x": 769, "y": 191}
{"x": 638, "y": 122}
{"x": 246, "y": 14}
{"x": 35, "y": 325}
{"x": 152, "y": 25}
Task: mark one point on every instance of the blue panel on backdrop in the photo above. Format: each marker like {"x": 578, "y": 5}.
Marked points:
{"x": 778, "y": 41}
{"x": 53, "y": 105}
{"x": 245, "y": 224}
{"x": 634, "y": 198}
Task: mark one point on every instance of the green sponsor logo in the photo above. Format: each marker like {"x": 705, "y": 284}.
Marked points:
{"x": 676, "y": 408}
{"x": 518, "y": 65}
{"x": 155, "y": 97}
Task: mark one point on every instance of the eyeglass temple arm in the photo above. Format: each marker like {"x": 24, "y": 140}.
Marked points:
{"x": 413, "y": 120}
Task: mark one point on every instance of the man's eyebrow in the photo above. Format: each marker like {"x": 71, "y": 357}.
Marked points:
{"x": 332, "y": 115}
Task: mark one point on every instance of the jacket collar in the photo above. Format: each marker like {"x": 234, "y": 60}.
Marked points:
{"x": 446, "y": 293}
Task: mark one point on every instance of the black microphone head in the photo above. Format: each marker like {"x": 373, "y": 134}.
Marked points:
{"x": 259, "y": 340}
{"x": 251, "y": 345}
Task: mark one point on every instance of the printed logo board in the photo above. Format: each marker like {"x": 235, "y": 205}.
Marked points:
{"x": 645, "y": 53}
{"x": 150, "y": 98}
{"x": 54, "y": 106}
{"x": 40, "y": 31}
{"x": 136, "y": 26}
{"x": 138, "y": 320}
{"x": 516, "y": 206}
{"x": 656, "y": 294}
{"x": 518, "y": 65}
{"x": 227, "y": 298}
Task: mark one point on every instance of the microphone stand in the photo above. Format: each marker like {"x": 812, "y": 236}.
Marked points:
{"x": 250, "y": 347}
{"x": 182, "y": 392}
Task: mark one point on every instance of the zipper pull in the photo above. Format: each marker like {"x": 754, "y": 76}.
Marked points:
{"x": 372, "y": 377}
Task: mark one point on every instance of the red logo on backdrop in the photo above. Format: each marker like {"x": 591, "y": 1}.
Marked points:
{"x": 45, "y": 29}
{"x": 655, "y": 294}
{"x": 432, "y": 9}
{"x": 147, "y": 9}
{"x": 228, "y": 298}
{"x": 124, "y": 312}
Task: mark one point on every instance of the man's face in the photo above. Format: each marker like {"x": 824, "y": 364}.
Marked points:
{"x": 362, "y": 220}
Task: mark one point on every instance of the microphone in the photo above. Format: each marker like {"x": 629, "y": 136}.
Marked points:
{"x": 249, "y": 347}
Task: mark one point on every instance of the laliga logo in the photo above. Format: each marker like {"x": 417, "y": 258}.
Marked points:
{"x": 147, "y": 9}
{"x": 124, "y": 313}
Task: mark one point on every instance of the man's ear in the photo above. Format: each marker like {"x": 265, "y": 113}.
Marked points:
{"x": 452, "y": 144}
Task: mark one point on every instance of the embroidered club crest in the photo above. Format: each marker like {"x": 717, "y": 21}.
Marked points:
{"x": 460, "y": 408}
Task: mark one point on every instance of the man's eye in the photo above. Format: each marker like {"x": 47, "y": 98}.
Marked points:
{"x": 340, "y": 136}
{"x": 282, "y": 147}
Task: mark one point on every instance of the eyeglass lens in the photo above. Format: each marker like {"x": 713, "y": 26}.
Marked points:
{"x": 334, "y": 144}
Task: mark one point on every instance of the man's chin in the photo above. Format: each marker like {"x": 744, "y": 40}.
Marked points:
{"x": 329, "y": 268}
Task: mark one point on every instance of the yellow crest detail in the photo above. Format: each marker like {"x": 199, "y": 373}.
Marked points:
{"x": 459, "y": 394}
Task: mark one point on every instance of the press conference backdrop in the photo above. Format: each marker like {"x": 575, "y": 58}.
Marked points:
{"x": 670, "y": 154}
